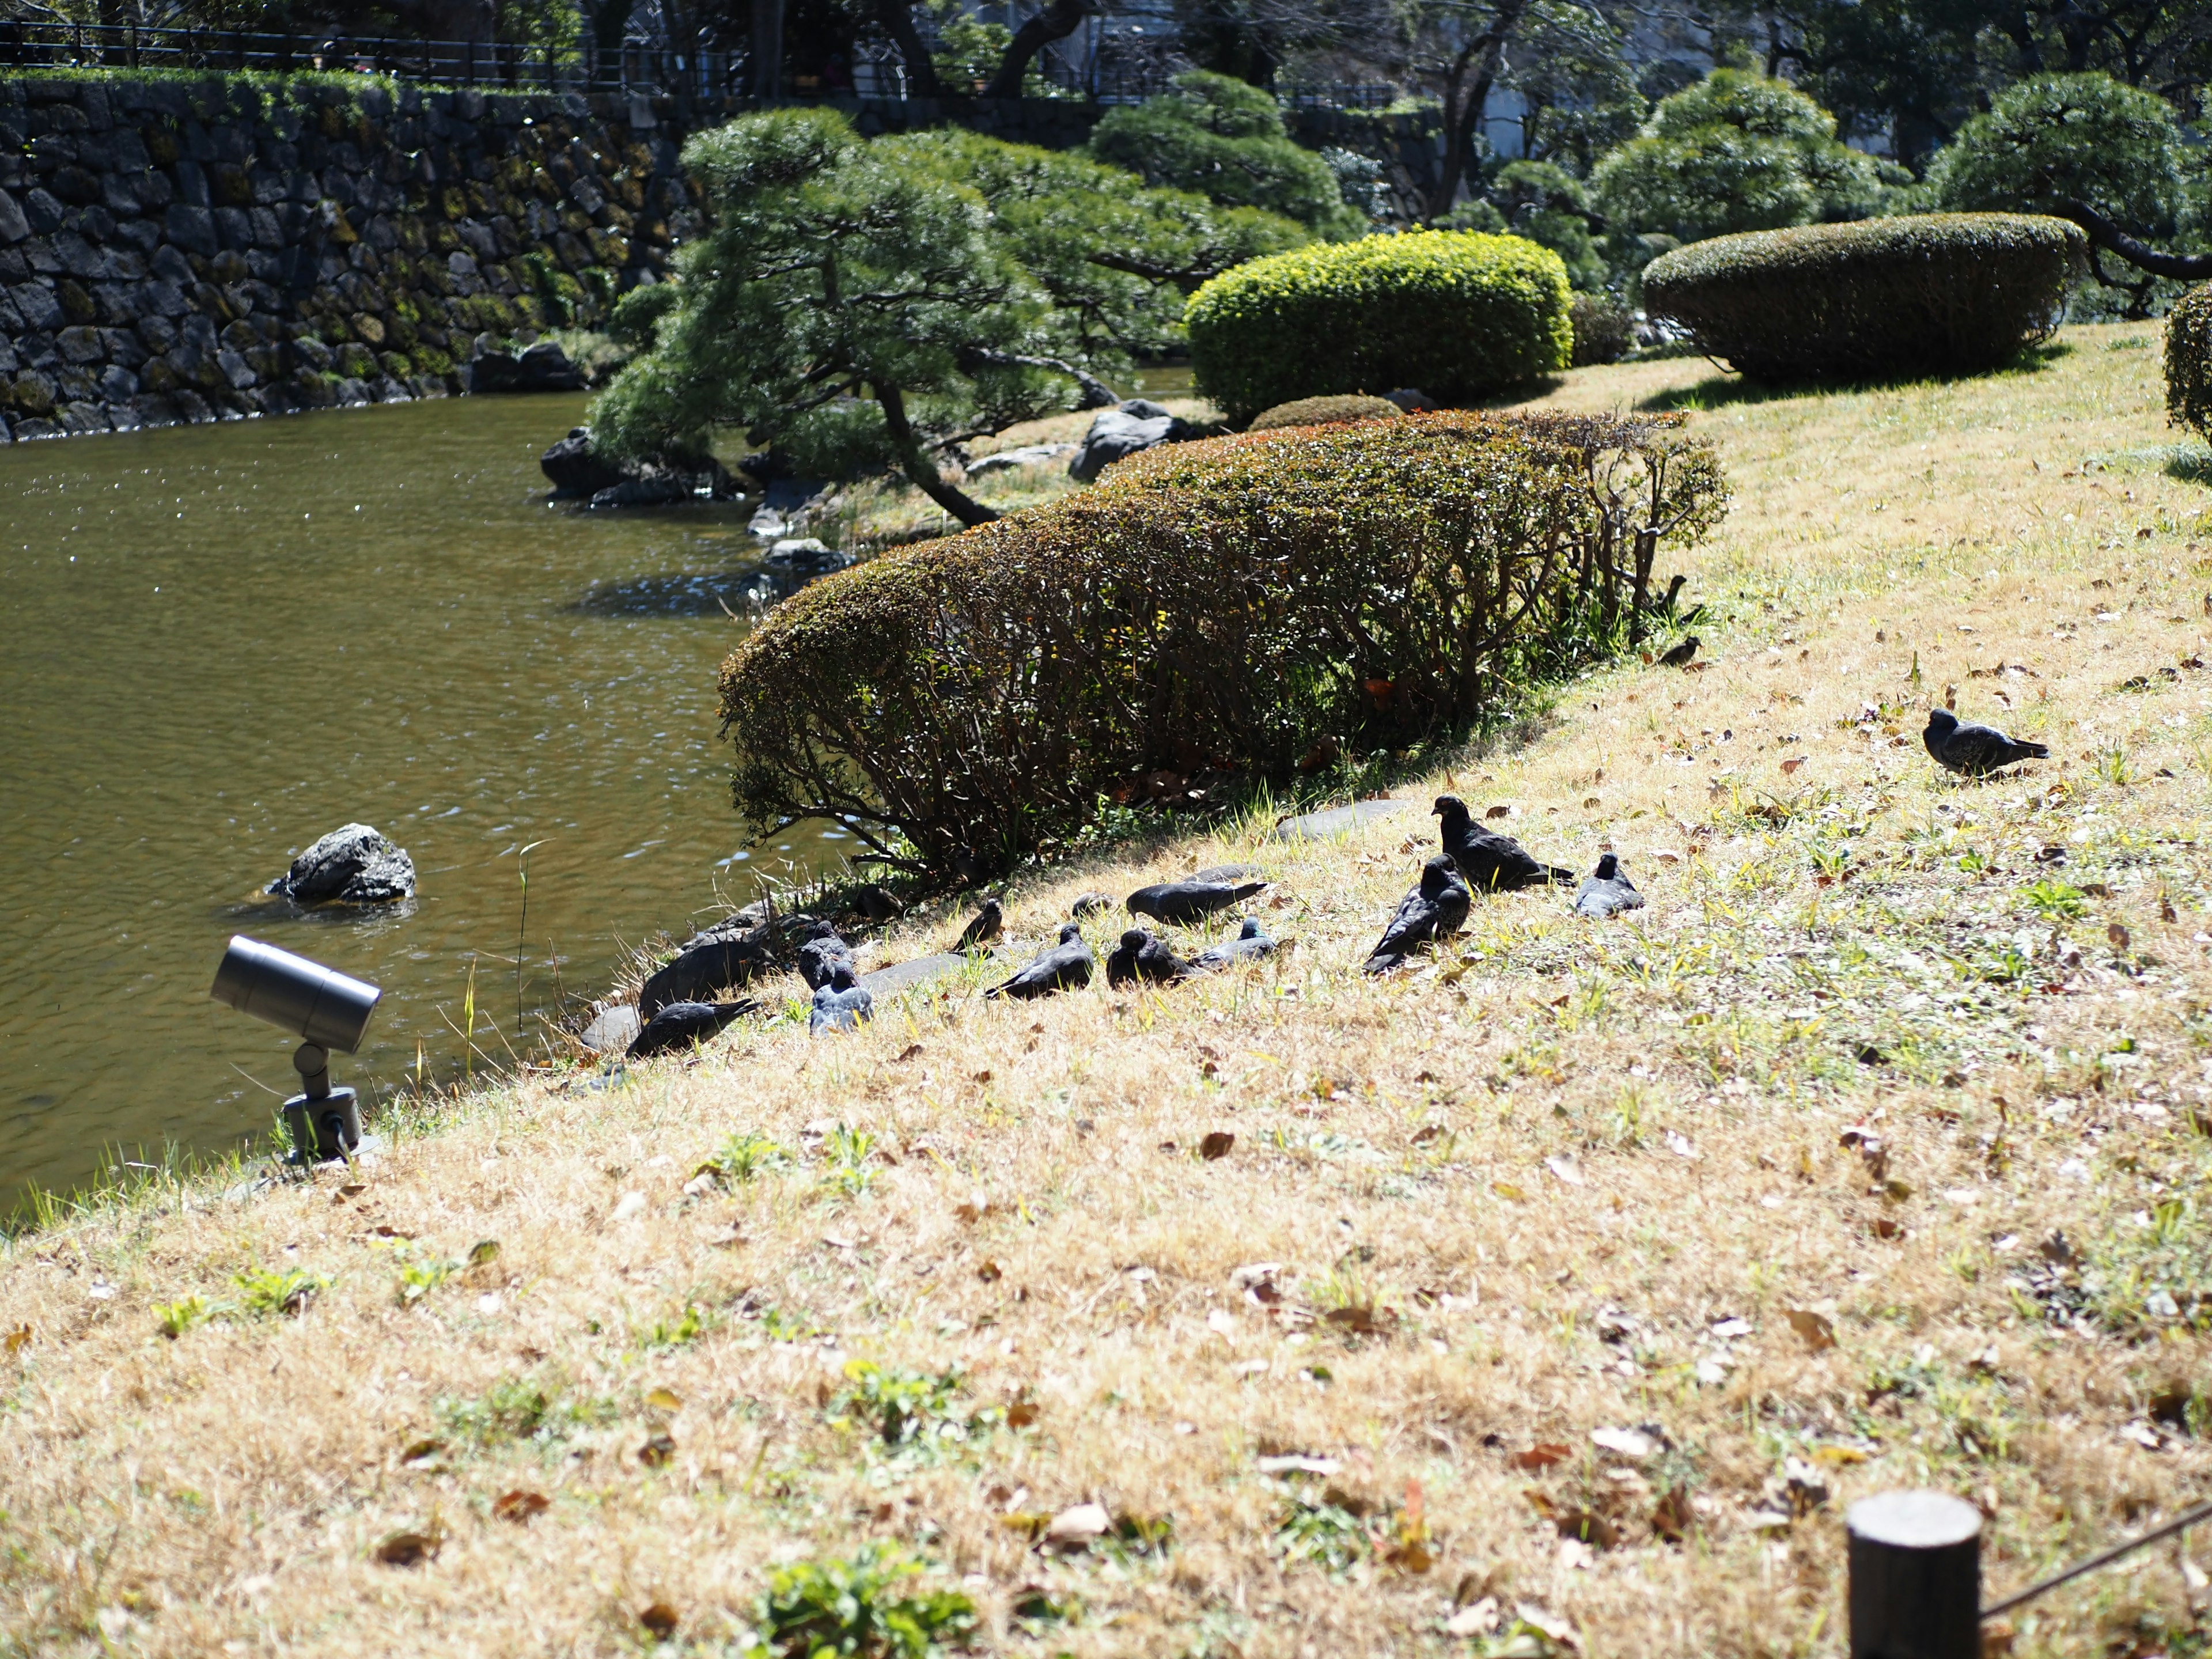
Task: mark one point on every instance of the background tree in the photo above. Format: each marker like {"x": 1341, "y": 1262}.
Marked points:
{"x": 864, "y": 305}
{"x": 1735, "y": 152}
{"x": 1225, "y": 140}
{"x": 1548, "y": 205}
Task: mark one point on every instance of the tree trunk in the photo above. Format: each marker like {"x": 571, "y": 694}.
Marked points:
{"x": 919, "y": 468}
{"x": 897, "y": 18}
{"x": 768, "y": 50}
{"x": 1477, "y": 74}
{"x": 2103, "y": 233}
{"x": 1055, "y": 22}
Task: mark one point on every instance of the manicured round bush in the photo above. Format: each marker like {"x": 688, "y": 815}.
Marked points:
{"x": 2188, "y": 361}
{"x": 1324, "y": 411}
{"x": 1455, "y": 313}
{"x": 1933, "y": 293}
{"x": 1217, "y": 607}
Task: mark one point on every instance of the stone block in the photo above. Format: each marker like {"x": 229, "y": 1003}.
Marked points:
{"x": 14, "y": 225}
{"x": 233, "y": 228}
{"x": 45, "y": 214}
{"x": 80, "y": 345}
{"x": 192, "y": 228}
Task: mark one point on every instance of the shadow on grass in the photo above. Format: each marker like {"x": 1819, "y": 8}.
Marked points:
{"x": 2190, "y": 465}
{"x": 1720, "y": 390}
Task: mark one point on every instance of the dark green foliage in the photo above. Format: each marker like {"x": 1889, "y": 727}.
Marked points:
{"x": 638, "y": 313}
{"x": 862, "y": 1609}
{"x": 1604, "y": 329}
{"x": 1545, "y": 204}
{"x": 1322, "y": 412}
{"x": 1936, "y": 293}
{"x": 1224, "y": 140}
{"x": 1456, "y": 313}
{"x": 2058, "y": 139}
{"x": 1218, "y": 605}
{"x": 2188, "y": 363}
{"x": 866, "y": 305}
{"x": 1735, "y": 152}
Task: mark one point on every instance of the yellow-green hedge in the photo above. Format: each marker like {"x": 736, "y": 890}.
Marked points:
{"x": 1456, "y": 313}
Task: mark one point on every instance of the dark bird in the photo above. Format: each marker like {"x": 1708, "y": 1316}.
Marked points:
{"x": 1250, "y": 945}
{"x": 840, "y": 1006}
{"x": 1974, "y": 751}
{"x": 1680, "y": 655}
{"x": 1090, "y": 905}
{"x": 876, "y": 902}
{"x": 1607, "y": 892}
{"x": 1066, "y": 967}
{"x": 986, "y": 927}
{"x": 818, "y": 957}
{"x": 680, "y": 1024}
{"x": 1182, "y": 902}
{"x": 1144, "y": 955}
{"x": 1433, "y": 910}
{"x": 1491, "y": 863}
{"x": 722, "y": 956}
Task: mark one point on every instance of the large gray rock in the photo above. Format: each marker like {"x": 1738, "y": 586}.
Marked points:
{"x": 574, "y": 471}
{"x": 1117, "y": 434}
{"x": 353, "y": 865}
{"x": 544, "y": 368}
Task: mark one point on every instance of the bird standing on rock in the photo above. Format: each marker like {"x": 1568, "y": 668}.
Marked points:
{"x": 1607, "y": 892}
{"x": 1680, "y": 655}
{"x": 680, "y": 1024}
{"x": 1144, "y": 955}
{"x": 1182, "y": 902}
{"x": 1066, "y": 967}
{"x": 841, "y": 1005}
{"x": 1250, "y": 945}
{"x": 1974, "y": 751}
{"x": 1491, "y": 863}
{"x": 1434, "y": 910}
{"x": 984, "y": 929}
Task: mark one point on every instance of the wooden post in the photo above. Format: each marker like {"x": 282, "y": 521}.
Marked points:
{"x": 1916, "y": 1577}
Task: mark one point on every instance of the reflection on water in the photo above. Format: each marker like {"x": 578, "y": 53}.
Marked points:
{"x": 221, "y": 641}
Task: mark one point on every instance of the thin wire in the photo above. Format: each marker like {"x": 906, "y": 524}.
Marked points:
{"x": 2103, "y": 1558}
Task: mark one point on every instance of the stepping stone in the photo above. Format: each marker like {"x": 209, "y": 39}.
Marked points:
{"x": 613, "y": 1031}
{"x": 905, "y": 975}
{"x": 1334, "y": 821}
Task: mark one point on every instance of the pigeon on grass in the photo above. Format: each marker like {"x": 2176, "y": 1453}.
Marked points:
{"x": 681, "y": 1024}
{"x": 1491, "y": 863}
{"x": 839, "y": 1005}
{"x": 1250, "y": 945}
{"x": 1182, "y": 902}
{"x": 984, "y": 928}
{"x": 1144, "y": 957}
{"x": 1066, "y": 966}
{"x": 1434, "y": 910}
{"x": 818, "y": 957}
{"x": 1607, "y": 891}
{"x": 1090, "y": 905}
{"x": 1974, "y": 751}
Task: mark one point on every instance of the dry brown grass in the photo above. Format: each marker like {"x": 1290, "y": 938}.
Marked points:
{"x": 1550, "y": 1169}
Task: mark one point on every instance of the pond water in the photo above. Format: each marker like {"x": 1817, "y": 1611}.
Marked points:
{"x": 221, "y": 641}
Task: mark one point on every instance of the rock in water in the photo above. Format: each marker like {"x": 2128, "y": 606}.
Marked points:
{"x": 353, "y": 865}
{"x": 544, "y": 368}
{"x": 575, "y": 472}
{"x": 1609, "y": 891}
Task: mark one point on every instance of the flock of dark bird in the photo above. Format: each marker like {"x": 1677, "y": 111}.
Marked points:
{"x": 1474, "y": 859}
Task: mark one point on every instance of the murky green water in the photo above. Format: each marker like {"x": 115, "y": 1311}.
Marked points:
{"x": 220, "y": 642}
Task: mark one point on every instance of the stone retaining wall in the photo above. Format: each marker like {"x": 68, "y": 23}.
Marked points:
{"x": 195, "y": 249}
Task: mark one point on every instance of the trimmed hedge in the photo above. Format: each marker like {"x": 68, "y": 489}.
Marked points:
{"x": 1214, "y": 607}
{"x": 1324, "y": 411}
{"x": 2188, "y": 361}
{"x": 1929, "y": 293}
{"x": 1457, "y": 314}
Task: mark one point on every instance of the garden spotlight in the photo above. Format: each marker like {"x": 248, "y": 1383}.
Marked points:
{"x": 324, "y": 1007}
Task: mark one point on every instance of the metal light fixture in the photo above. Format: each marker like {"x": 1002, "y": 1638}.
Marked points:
{"x": 327, "y": 1010}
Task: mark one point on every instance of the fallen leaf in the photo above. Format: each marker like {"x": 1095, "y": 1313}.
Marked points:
{"x": 484, "y": 1250}
{"x": 1671, "y": 1516}
{"x": 910, "y": 1052}
{"x": 1837, "y": 1456}
{"x": 19, "y": 1338}
{"x": 1506, "y": 1189}
{"x": 1587, "y": 1527}
{"x": 1793, "y": 763}
{"x": 1542, "y": 1457}
{"x": 988, "y": 1271}
{"x": 656, "y": 1450}
{"x": 2117, "y": 935}
{"x": 983, "y": 1076}
{"x": 660, "y": 1620}
{"x": 1298, "y": 1463}
{"x": 1563, "y": 1165}
{"x": 352, "y": 1190}
{"x": 1367, "y": 1321}
{"x": 408, "y": 1549}
{"x": 1883, "y": 1227}
{"x": 520, "y": 1506}
{"x": 1216, "y": 1144}
{"x": 1478, "y": 1620}
{"x": 1021, "y": 1414}
{"x": 422, "y": 1451}
{"x": 1819, "y": 1332}
{"x": 1075, "y": 1527}
{"x": 1639, "y": 1444}
{"x": 664, "y": 1400}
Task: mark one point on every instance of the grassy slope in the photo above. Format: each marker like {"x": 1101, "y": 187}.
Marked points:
{"x": 1575, "y": 1130}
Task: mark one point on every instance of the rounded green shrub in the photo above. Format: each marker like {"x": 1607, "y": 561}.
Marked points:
{"x": 1604, "y": 329}
{"x": 1457, "y": 314}
{"x": 1325, "y": 412}
{"x": 2188, "y": 361}
{"x": 1932, "y": 294}
{"x": 1217, "y": 606}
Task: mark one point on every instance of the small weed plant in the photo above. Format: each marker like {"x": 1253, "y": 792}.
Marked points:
{"x": 867, "y": 1607}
